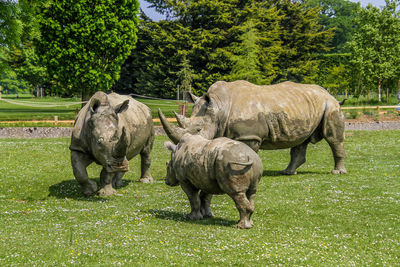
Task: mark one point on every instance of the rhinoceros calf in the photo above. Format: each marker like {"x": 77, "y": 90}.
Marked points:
{"x": 285, "y": 115}
{"x": 110, "y": 130}
{"x": 212, "y": 167}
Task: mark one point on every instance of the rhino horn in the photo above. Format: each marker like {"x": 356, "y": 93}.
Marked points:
{"x": 120, "y": 147}
{"x": 182, "y": 121}
{"x": 174, "y": 133}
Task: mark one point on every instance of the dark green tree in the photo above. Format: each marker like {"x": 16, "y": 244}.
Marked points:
{"x": 339, "y": 16}
{"x": 262, "y": 41}
{"x": 84, "y": 43}
{"x": 245, "y": 60}
{"x": 303, "y": 38}
{"x": 255, "y": 44}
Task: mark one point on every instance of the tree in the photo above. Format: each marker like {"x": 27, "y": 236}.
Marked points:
{"x": 337, "y": 15}
{"x": 185, "y": 76}
{"x": 246, "y": 61}
{"x": 10, "y": 23}
{"x": 376, "y": 44}
{"x": 84, "y": 43}
{"x": 303, "y": 38}
{"x": 262, "y": 41}
{"x": 257, "y": 49}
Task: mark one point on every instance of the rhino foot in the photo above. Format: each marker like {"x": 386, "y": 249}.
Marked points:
{"x": 194, "y": 216}
{"x": 339, "y": 171}
{"x": 107, "y": 191}
{"x": 208, "y": 214}
{"x": 244, "y": 224}
{"x": 146, "y": 180}
{"x": 89, "y": 189}
{"x": 117, "y": 183}
{"x": 288, "y": 172}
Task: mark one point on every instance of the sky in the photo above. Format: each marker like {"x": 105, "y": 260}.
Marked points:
{"x": 156, "y": 16}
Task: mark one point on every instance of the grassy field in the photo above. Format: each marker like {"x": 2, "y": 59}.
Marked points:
{"x": 22, "y": 109}
{"x": 313, "y": 218}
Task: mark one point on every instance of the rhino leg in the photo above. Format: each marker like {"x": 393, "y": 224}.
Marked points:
{"x": 106, "y": 179}
{"x": 117, "y": 179}
{"x": 245, "y": 208}
{"x": 79, "y": 162}
{"x": 205, "y": 205}
{"x": 251, "y": 194}
{"x": 194, "y": 199}
{"x": 145, "y": 162}
{"x": 297, "y": 157}
{"x": 333, "y": 133}
{"x": 339, "y": 155}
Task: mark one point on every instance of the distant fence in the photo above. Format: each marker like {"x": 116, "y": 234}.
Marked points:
{"x": 378, "y": 108}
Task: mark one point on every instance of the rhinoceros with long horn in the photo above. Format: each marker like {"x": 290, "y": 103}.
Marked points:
{"x": 110, "y": 130}
{"x": 205, "y": 167}
{"x": 284, "y": 115}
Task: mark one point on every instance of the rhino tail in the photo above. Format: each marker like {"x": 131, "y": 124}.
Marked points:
{"x": 240, "y": 166}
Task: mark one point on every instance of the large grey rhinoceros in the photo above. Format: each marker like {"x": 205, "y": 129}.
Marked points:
{"x": 110, "y": 130}
{"x": 216, "y": 166}
{"x": 284, "y": 115}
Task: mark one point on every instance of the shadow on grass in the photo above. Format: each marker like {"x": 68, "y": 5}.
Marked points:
{"x": 71, "y": 189}
{"x": 181, "y": 217}
{"x": 278, "y": 173}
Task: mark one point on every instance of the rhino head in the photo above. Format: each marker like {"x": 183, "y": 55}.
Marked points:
{"x": 205, "y": 119}
{"x": 171, "y": 179}
{"x": 107, "y": 136}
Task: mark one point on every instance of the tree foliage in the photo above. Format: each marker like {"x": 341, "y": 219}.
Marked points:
{"x": 339, "y": 16}
{"x": 262, "y": 41}
{"x": 376, "y": 45}
{"x": 84, "y": 43}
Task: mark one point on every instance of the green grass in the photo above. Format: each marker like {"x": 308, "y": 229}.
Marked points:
{"x": 371, "y": 101}
{"x": 27, "y": 109}
{"x": 313, "y": 218}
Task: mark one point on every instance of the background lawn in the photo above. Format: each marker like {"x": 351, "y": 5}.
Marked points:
{"x": 25, "y": 108}
{"x": 313, "y": 218}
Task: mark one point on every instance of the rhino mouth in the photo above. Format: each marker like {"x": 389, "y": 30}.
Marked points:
{"x": 169, "y": 183}
{"x": 118, "y": 165}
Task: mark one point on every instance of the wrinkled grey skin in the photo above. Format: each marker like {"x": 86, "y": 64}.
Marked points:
{"x": 110, "y": 130}
{"x": 285, "y": 115}
{"x": 212, "y": 167}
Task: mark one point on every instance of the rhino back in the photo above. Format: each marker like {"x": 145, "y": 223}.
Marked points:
{"x": 194, "y": 161}
{"x": 281, "y": 115}
{"x": 238, "y": 165}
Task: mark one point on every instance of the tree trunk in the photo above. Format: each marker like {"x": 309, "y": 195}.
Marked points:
{"x": 379, "y": 91}
{"x": 387, "y": 94}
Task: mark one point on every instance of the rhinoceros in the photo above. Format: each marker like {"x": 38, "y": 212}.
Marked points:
{"x": 110, "y": 130}
{"x": 284, "y": 115}
{"x": 216, "y": 166}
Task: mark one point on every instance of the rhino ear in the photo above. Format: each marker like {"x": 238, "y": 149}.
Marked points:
{"x": 170, "y": 146}
{"x": 207, "y": 98}
{"x": 122, "y": 107}
{"x": 189, "y": 97}
{"x": 94, "y": 105}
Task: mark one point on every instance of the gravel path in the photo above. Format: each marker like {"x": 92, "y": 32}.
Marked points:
{"x": 45, "y": 132}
